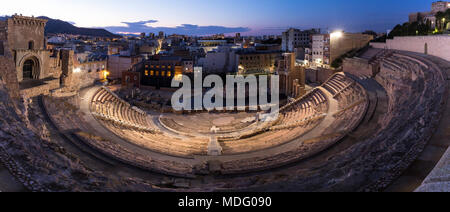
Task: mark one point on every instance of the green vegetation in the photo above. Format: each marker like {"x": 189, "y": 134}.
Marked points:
{"x": 442, "y": 20}
{"x": 422, "y": 27}
{"x": 381, "y": 39}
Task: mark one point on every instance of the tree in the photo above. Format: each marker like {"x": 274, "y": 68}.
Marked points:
{"x": 370, "y": 32}
{"x": 440, "y": 20}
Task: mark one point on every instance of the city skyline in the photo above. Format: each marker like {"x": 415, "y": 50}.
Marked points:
{"x": 246, "y": 17}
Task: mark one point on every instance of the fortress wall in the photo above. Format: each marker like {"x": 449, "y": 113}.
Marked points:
{"x": 22, "y": 30}
{"x": 438, "y": 45}
{"x": 358, "y": 67}
{"x": 7, "y": 73}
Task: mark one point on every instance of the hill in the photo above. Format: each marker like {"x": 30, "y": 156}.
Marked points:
{"x": 55, "y": 26}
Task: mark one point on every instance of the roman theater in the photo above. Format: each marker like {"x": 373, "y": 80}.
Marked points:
{"x": 370, "y": 127}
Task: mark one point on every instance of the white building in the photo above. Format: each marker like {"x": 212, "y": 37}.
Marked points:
{"x": 221, "y": 59}
{"x": 320, "y": 49}
{"x": 440, "y": 6}
{"x": 295, "y": 38}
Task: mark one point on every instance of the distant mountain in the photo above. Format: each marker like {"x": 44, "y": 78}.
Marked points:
{"x": 55, "y": 26}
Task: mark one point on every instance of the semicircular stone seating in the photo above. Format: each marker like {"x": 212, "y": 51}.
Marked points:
{"x": 133, "y": 124}
{"x": 308, "y": 121}
{"x": 414, "y": 85}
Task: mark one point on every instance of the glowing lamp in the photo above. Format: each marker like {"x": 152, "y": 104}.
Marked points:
{"x": 337, "y": 34}
{"x": 105, "y": 74}
{"x": 76, "y": 70}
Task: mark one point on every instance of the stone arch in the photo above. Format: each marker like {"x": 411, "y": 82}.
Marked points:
{"x": 30, "y": 68}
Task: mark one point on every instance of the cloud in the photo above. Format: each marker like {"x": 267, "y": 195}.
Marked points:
{"x": 185, "y": 29}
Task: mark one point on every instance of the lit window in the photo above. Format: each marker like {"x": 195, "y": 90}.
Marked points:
{"x": 157, "y": 73}
{"x": 146, "y": 72}
{"x": 169, "y": 74}
{"x": 163, "y": 73}
{"x": 178, "y": 77}
{"x": 152, "y": 73}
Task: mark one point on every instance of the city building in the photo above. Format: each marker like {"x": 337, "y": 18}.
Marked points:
{"x": 92, "y": 68}
{"x": 250, "y": 61}
{"x": 440, "y": 6}
{"x": 212, "y": 42}
{"x": 430, "y": 16}
{"x": 321, "y": 49}
{"x": 295, "y": 38}
{"x": 328, "y": 47}
{"x": 221, "y": 60}
{"x": 292, "y": 77}
{"x": 118, "y": 64}
{"x": 159, "y": 71}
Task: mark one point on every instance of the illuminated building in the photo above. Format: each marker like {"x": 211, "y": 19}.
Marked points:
{"x": 91, "y": 68}
{"x": 439, "y": 6}
{"x": 328, "y": 47}
{"x": 159, "y": 71}
{"x": 256, "y": 61}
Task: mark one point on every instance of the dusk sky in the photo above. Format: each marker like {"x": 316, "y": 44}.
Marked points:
{"x": 198, "y": 17}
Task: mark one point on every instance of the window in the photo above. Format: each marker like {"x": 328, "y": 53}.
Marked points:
{"x": 31, "y": 45}
{"x": 146, "y": 72}
{"x": 2, "y": 51}
{"x": 163, "y": 73}
{"x": 152, "y": 73}
{"x": 169, "y": 74}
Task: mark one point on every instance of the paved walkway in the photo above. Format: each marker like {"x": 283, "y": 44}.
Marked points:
{"x": 8, "y": 183}
{"x": 439, "y": 145}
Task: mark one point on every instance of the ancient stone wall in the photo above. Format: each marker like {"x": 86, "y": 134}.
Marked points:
{"x": 49, "y": 63}
{"x": 438, "y": 45}
{"x": 23, "y": 30}
{"x": 8, "y": 75}
{"x": 358, "y": 67}
{"x": 2, "y": 30}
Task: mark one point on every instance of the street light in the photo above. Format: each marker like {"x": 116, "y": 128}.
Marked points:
{"x": 76, "y": 70}
{"x": 336, "y": 34}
